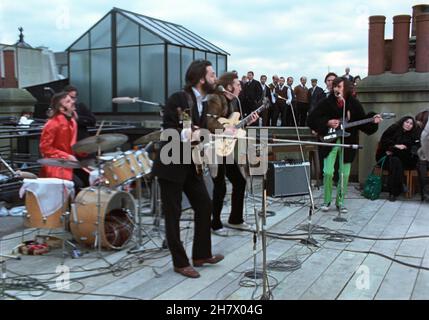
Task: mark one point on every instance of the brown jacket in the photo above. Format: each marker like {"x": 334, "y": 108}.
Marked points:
{"x": 217, "y": 106}
{"x": 301, "y": 94}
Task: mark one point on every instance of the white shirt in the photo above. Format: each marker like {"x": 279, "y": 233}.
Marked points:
{"x": 289, "y": 96}
{"x": 200, "y": 100}
{"x": 186, "y": 133}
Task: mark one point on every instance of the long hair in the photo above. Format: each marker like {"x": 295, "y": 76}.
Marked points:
{"x": 348, "y": 89}
{"x": 330, "y": 74}
{"x": 226, "y": 79}
{"x": 422, "y": 117}
{"x": 56, "y": 101}
{"x": 401, "y": 121}
{"x": 196, "y": 71}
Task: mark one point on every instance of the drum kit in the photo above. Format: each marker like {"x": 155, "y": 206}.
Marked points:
{"x": 102, "y": 215}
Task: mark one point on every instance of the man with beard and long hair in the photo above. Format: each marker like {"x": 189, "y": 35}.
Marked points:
{"x": 175, "y": 178}
{"x": 328, "y": 114}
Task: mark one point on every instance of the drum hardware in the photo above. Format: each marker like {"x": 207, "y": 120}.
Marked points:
{"x": 139, "y": 247}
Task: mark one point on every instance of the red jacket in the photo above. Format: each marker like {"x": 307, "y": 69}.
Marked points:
{"x": 58, "y": 137}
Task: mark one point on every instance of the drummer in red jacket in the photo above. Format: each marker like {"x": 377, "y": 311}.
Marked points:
{"x": 58, "y": 136}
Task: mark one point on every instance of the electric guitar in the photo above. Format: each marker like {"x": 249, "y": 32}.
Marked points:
{"x": 225, "y": 146}
{"x": 334, "y": 134}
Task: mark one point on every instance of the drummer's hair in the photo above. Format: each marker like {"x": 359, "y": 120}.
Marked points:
{"x": 56, "y": 101}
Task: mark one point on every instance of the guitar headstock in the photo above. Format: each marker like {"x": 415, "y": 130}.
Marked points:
{"x": 388, "y": 115}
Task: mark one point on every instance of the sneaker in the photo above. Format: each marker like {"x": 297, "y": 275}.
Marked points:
{"x": 342, "y": 209}
{"x": 325, "y": 207}
{"x": 241, "y": 226}
{"x": 221, "y": 232}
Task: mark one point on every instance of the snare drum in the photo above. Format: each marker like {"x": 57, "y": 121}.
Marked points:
{"x": 121, "y": 169}
{"x": 117, "y": 210}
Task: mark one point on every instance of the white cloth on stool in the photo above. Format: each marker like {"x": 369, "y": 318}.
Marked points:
{"x": 48, "y": 193}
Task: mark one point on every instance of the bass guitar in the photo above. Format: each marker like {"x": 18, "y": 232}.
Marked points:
{"x": 334, "y": 134}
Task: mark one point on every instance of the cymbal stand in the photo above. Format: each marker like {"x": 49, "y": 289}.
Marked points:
{"x": 140, "y": 247}
{"x": 98, "y": 231}
{"x": 64, "y": 216}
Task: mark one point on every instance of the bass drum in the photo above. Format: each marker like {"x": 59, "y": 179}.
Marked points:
{"x": 117, "y": 211}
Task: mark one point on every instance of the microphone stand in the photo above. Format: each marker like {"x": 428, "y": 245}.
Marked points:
{"x": 341, "y": 192}
{"x": 310, "y": 240}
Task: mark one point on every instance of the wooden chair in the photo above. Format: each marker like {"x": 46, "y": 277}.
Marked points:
{"x": 414, "y": 182}
{"x": 408, "y": 179}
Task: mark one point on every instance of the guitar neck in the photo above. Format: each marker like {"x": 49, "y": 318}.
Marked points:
{"x": 358, "y": 123}
{"x": 244, "y": 122}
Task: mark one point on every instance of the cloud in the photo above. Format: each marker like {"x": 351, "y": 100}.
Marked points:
{"x": 267, "y": 36}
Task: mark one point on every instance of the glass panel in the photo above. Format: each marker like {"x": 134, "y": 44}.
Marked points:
{"x": 101, "y": 80}
{"x": 177, "y": 33}
{"x": 127, "y": 31}
{"x": 200, "y": 55}
{"x": 187, "y": 58}
{"x": 152, "y": 76}
{"x": 200, "y": 42}
{"x": 82, "y": 44}
{"x": 150, "y": 26}
{"x": 212, "y": 58}
{"x": 101, "y": 34}
{"x": 79, "y": 74}
{"x": 204, "y": 44}
{"x": 147, "y": 37}
{"x": 173, "y": 69}
{"x": 221, "y": 64}
{"x": 128, "y": 77}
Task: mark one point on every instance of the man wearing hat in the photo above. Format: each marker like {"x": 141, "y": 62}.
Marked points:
{"x": 315, "y": 94}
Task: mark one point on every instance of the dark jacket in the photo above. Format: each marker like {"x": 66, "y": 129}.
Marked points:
{"x": 176, "y": 105}
{"x": 395, "y": 135}
{"x": 315, "y": 97}
{"x": 85, "y": 119}
{"x": 328, "y": 109}
{"x": 252, "y": 92}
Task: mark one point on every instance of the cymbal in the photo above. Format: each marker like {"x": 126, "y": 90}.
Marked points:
{"x": 103, "y": 142}
{"x": 61, "y": 163}
{"x": 153, "y": 136}
{"x": 26, "y": 175}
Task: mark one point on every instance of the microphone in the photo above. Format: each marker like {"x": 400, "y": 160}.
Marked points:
{"x": 220, "y": 88}
{"x": 124, "y": 100}
{"x": 49, "y": 89}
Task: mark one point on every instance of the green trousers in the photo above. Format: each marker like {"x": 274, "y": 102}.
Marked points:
{"x": 328, "y": 175}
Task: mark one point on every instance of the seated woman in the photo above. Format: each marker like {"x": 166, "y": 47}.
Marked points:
{"x": 397, "y": 143}
{"x": 423, "y": 152}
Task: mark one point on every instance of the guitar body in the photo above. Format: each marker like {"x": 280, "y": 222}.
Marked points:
{"x": 224, "y": 146}
{"x": 334, "y": 134}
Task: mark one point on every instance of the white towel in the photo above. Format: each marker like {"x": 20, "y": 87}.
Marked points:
{"x": 48, "y": 192}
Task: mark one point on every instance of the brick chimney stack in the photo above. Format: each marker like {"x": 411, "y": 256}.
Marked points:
{"x": 376, "y": 45}
{"x": 422, "y": 42}
{"x": 417, "y": 10}
{"x": 401, "y": 38}
{"x": 10, "y": 80}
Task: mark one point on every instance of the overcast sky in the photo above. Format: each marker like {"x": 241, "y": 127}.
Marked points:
{"x": 283, "y": 37}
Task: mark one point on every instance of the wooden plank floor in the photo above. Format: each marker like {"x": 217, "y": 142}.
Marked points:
{"x": 333, "y": 270}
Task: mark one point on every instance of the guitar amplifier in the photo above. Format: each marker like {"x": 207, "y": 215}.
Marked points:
{"x": 286, "y": 179}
